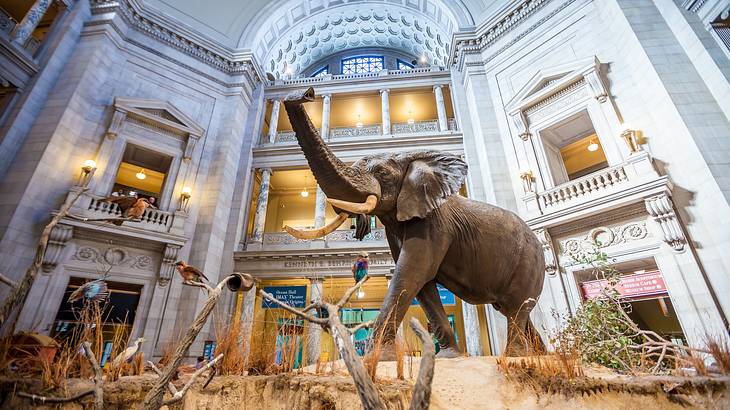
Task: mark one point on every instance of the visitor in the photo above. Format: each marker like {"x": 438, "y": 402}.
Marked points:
{"x": 360, "y": 267}
{"x": 118, "y": 192}
{"x": 153, "y": 202}
{"x": 200, "y": 363}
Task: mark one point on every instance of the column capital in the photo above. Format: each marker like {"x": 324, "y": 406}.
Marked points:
{"x": 267, "y": 169}
{"x": 327, "y": 96}
{"x": 384, "y": 91}
{"x": 438, "y": 86}
{"x": 316, "y": 280}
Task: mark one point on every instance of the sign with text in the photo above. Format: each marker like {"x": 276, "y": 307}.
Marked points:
{"x": 629, "y": 286}
{"x": 447, "y": 298}
{"x": 294, "y": 296}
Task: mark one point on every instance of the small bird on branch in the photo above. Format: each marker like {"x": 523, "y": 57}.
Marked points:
{"x": 131, "y": 206}
{"x": 128, "y": 353}
{"x": 190, "y": 273}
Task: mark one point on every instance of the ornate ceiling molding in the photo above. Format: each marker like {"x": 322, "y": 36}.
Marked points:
{"x": 225, "y": 60}
{"x": 303, "y": 33}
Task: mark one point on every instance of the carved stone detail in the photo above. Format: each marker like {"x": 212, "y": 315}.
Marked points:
{"x": 167, "y": 267}
{"x": 578, "y": 248}
{"x": 56, "y": 242}
{"x": 113, "y": 256}
{"x": 661, "y": 209}
{"x": 596, "y": 85}
{"x": 551, "y": 263}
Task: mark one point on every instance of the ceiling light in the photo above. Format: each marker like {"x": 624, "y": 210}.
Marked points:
{"x": 360, "y": 293}
{"x": 304, "y": 192}
{"x": 358, "y": 124}
{"x": 141, "y": 174}
{"x": 410, "y": 117}
{"x": 593, "y": 146}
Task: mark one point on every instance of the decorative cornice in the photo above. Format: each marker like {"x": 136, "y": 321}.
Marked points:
{"x": 221, "y": 60}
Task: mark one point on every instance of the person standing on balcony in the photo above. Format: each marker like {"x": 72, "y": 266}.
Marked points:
{"x": 360, "y": 267}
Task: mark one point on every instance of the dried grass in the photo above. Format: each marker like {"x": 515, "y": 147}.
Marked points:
{"x": 720, "y": 350}
{"x": 228, "y": 337}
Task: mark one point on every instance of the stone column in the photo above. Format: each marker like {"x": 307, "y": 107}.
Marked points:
{"x": 315, "y": 331}
{"x": 26, "y": 27}
{"x": 320, "y": 208}
{"x": 247, "y": 311}
{"x": 471, "y": 329}
{"x": 385, "y": 107}
{"x": 259, "y": 219}
{"x": 326, "y": 117}
{"x": 274, "y": 121}
{"x": 441, "y": 107}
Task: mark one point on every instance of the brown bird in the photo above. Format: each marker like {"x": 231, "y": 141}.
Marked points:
{"x": 132, "y": 207}
{"x": 190, "y": 273}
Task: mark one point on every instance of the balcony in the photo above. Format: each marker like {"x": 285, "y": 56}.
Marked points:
{"x": 340, "y": 239}
{"x": 611, "y": 187}
{"x": 337, "y": 78}
{"x": 372, "y": 132}
{"x": 89, "y": 212}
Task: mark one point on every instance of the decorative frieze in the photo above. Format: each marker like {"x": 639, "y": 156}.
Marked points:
{"x": 661, "y": 209}
{"x": 579, "y": 248}
{"x": 556, "y": 102}
{"x": 57, "y": 240}
{"x": 113, "y": 256}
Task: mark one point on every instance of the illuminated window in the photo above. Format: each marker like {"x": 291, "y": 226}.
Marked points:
{"x": 362, "y": 64}
{"x": 322, "y": 71}
{"x": 142, "y": 172}
{"x": 402, "y": 65}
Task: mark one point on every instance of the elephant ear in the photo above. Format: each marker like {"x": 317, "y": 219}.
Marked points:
{"x": 431, "y": 177}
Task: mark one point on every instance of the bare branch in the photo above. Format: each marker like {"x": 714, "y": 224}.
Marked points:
{"x": 113, "y": 219}
{"x": 421, "y": 398}
{"x": 45, "y": 399}
{"x": 181, "y": 393}
{"x": 346, "y": 297}
{"x": 198, "y": 284}
{"x": 310, "y": 318}
{"x": 365, "y": 325}
{"x": 6, "y": 280}
{"x": 170, "y": 386}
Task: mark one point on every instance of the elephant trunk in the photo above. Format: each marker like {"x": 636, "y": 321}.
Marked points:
{"x": 337, "y": 179}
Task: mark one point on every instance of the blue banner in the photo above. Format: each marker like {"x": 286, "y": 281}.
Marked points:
{"x": 294, "y": 296}
{"x": 447, "y": 298}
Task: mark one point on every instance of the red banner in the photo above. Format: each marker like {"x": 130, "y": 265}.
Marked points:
{"x": 629, "y": 286}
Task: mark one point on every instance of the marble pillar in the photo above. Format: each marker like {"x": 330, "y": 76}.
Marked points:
{"x": 274, "y": 121}
{"x": 385, "y": 107}
{"x": 259, "y": 220}
{"x": 441, "y": 107}
{"x": 34, "y": 16}
{"x": 315, "y": 331}
{"x": 325, "y": 117}
{"x": 247, "y": 311}
{"x": 471, "y": 329}
{"x": 320, "y": 208}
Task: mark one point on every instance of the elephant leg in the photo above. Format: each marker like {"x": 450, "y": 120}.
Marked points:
{"x": 430, "y": 301}
{"x": 522, "y": 337}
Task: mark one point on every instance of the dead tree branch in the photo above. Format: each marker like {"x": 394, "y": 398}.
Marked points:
{"x": 177, "y": 396}
{"x": 154, "y": 398}
{"x": 20, "y": 292}
{"x": 6, "y": 280}
{"x": 421, "y": 398}
{"x": 112, "y": 219}
{"x": 97, "y": 390}
{"x": 366, "y": 389}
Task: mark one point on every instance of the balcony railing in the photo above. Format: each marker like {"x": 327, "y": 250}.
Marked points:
{"x": 151, "y": 218}
{"x": 335, "y": 77}
{"x": 603, "y": 186}
{"x": 370, "y": 130}
{"x": 7, "y": 23}
{"x": 342, "y": 236}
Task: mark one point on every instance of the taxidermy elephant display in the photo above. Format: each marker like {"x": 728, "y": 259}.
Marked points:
{"x": 480, "y": 252}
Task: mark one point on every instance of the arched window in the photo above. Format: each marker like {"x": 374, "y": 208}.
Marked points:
{"x": 402, "y": 65}
{"x": 362, "y": 64}
{"x": 322, "y": 71}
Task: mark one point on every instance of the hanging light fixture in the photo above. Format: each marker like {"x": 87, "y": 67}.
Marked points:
{"x": 304, "y": 192}
{"x": 141, "y": 174}
{"x": 410, "y": 117}
{"x": 358, "y": 124}
{"x": 360, "y": 293}
{"x": 592, "y": 145}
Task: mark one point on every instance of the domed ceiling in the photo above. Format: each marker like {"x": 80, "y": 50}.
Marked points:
{"x": 300, "y": 32}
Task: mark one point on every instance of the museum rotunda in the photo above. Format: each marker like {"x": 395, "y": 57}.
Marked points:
{"x": 603, "y": 124}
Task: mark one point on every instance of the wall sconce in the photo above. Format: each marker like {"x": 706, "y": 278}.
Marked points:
{"x": 633, "y": 140}
{"x": 185, "y": 195}
{"x": 527, "y": 180}
{"x": 87, "y": 171}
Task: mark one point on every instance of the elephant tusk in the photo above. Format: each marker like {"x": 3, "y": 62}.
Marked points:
{"x": 364, "y": 208}
{"x": 318, "y": 233}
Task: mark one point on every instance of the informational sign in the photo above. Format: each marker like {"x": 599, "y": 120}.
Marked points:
{"x": 209, "y": 349}
{"x": 294, "y": 296}
{"x": 107, "y": 352}
{"x": 447, "y": 298}
{"x": 629, "y": 286}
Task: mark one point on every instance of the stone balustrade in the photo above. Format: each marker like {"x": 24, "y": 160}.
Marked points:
{"x": 603, "y": 186}
{"x": 355, "y": 76}
{"x": 370, "y": 130}
{"x": 343, "y": 237}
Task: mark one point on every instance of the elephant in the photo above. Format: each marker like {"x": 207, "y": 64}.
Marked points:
{"x": 480, "y": 252}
